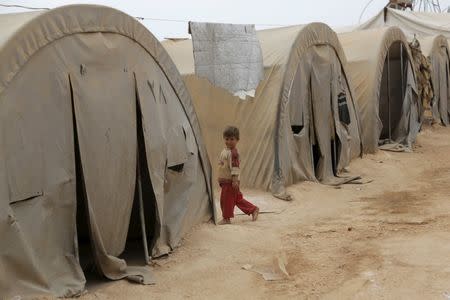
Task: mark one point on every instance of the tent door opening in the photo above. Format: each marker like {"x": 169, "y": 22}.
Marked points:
{"x": 84, "y": 241}
{"x": 324, "y": 140}
{"x": 317, "y": 154}
{"x": 142, "y": 232}
{"x": 392, "y": 97}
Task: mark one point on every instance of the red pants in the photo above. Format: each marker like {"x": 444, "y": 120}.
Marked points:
{"x": 231, "y": 197}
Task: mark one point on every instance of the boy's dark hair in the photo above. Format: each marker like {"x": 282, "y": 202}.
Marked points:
{"x": 230, "y": 132}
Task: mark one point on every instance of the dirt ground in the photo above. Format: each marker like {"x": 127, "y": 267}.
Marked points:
{"x": 387, "y": 239}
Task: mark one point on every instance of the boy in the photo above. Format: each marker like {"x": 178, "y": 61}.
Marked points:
{"x": 229, "y": 172}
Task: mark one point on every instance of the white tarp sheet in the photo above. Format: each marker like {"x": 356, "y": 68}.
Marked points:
{"x": 228, "y": 55}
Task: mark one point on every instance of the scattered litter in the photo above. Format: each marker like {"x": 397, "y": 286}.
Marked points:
{"x": 275, "y": 272}
{"x": 328, "y": 231}
{"x": 266, "y": 205}
{"x": 377, "y": 160}
{"x": 262, "y": 212}
{"x": 284, "y": 196}
{"x": 394, "y": 147}
{"x": 338, "y": 180}
{"x": 446, "y": 295}
{"x": 350, "y": 229}
{"x": 362, "y": 181}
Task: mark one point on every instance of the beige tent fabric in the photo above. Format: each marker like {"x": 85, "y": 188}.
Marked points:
{"x": 431, "y": 29}
{"x": 72, "y": 84}
{"x": 366, "y": 66}
{"x": 436, "y": 49}
{"x": 412, "y": 23}
{"x": 272, "y": 156}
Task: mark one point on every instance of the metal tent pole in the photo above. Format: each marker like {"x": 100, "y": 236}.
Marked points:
{"x": 141, "y": 210}
{"x": 402, "y": 71}
{"x": 389, "y": 94}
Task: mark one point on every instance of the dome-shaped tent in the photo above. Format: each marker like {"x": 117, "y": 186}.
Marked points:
{"x": 376, "y": 72}
{"x": 93, "y": 114}
{"x": 437, "y": 50}
{"x": 291, "y": 130}
{"x": 433, "y": 32}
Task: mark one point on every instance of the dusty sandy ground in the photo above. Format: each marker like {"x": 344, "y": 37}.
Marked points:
{"x": 388, "y": 239}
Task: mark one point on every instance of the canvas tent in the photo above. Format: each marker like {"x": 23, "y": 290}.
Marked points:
{"x": 433, "y": 32}
{"x": 91, "y": 105}
{"x": 387, "y": 112}
{"x": 291, "y": 130}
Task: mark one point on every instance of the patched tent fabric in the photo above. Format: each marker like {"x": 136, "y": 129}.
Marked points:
{"x": 91, "y": 109}
{"x": 433, "y": 32}
{"x": 388, "y": 113}
{"x": 292, "y": 130}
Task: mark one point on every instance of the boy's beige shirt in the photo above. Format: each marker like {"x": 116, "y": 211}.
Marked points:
{"x": 228, "y": 165}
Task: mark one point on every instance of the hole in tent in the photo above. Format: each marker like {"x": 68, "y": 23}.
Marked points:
{"x": 296, "y": 129}
{"x": 177, "y": 168}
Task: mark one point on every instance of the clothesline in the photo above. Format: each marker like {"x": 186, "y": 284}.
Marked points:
{"x": 139, "y": 18}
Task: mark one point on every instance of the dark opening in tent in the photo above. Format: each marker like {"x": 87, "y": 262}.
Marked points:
{"x": 433, "y": 33}
{"x": 385, "y": 87}
{"x": 393, "y": 89}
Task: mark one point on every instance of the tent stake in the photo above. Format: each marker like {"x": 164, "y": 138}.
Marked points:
{"x": 141, "y": 211}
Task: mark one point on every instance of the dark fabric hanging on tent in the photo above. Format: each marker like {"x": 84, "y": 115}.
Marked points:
{"x": 344, "y": 114}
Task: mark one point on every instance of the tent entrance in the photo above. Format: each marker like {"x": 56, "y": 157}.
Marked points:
{"x": 143, "y": 228}
{"x": 85, "y": 246}
{"x": 318, "y": 159}
{"x": 391, "y": 96}
{"x": 325, "y": 144}
{"x": 116, "y": 209}
{"x": 84, "y": 241}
